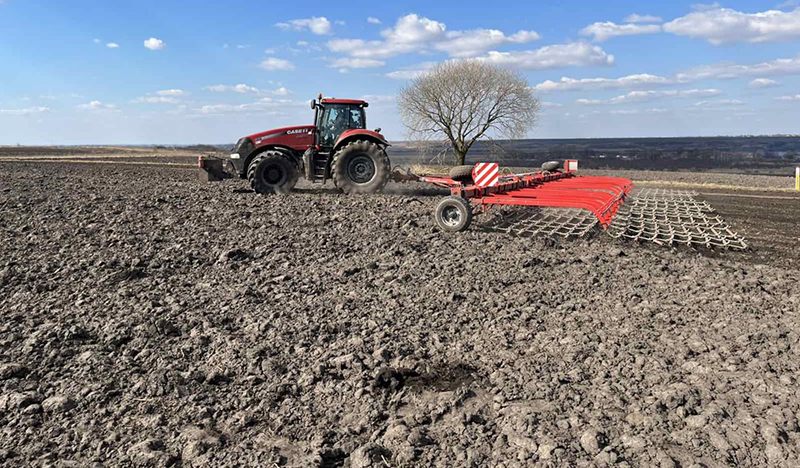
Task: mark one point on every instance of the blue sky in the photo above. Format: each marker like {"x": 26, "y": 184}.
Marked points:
{"x": 91, "y": 72}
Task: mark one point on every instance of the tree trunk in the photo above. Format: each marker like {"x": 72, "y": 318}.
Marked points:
{"x": 460, "y": 157}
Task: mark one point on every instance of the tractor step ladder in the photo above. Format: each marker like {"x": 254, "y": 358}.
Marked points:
{"x": 320, "y": 165}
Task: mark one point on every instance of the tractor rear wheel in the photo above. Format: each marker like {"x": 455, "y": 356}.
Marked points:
{"x": 272, "y": 172}
{"x": 453, "y": 214}
{"x": 360, "y": 167}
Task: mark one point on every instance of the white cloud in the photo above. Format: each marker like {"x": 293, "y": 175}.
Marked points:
{"x": 357, "y": 63}
{"x": 732, "y": 70}
{"x": 112, "y": 45}
{"x": 91, "y": 105}
{"x": 720, "y": 25}
{"x": 376, "y": 98}
{"x": 405, "y": 74}
{"x": 156, "y": 100}
{"x": 634, "y": 18}
{"x": 95, "y": 105}
{"x": 412, "y": 33}
{"x": 372, "y": 20}
{"x": 625, "y": 82}
{"x": 154, "y": 44}
{"x": 576, "y": 54}
{"x": 643, "y": 96}
{"x": 796, "y": 97}
{"x": 607, "y": 30}
{"x": 240, "y": 88}
{"x": 247, "y": 89}
{"x": 316, "y": 25}
{"x": 634, "y": 96}
{"x": 171, "y": 92}
{"x": 789, "y": 66}
{"x": 272, "y": 63}
{"x": 469, "y": 43}
{"x": 26, "y": 111}
{"x": 411, "y": 72}
{"x": 262, "y": 105}
{"x": 719, "y": 102}
{"x": 700, "y": 92}
{"x": 638, "y": 111}
{"x": 96, "y": 41}
{"x": 763, "y": 83}
{"x": 547, "y": 104}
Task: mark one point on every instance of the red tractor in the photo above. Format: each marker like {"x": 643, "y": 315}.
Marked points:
{"x": 337, "y": 147}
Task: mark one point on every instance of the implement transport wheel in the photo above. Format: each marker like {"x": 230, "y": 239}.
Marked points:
{"x": 551, "y": 166}
{"x": 360, "y": 167}
{"x": 453, "y": 214}
{"x": 272, "y": 172}
{"x": 462, "y": 174}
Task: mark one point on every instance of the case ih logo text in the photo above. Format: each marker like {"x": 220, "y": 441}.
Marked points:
{"x": 292, "y": 132}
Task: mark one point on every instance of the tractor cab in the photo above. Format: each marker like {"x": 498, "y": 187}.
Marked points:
{"x": 332, "y": 117}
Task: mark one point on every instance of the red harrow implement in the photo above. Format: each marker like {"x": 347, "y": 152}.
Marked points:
{"x": 571, "y": 205}
{"x": 602, "y": 196}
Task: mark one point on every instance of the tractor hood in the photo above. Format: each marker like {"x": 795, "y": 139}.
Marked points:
{"x": 262, "y": 138}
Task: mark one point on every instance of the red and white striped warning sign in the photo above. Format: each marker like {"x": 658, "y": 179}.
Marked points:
{"x": 485, "y": 174}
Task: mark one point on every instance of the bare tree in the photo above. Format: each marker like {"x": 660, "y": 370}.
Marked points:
{"x": 464, "y": 101}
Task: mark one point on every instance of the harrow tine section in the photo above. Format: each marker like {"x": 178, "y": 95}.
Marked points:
{"x": 552, "y": 222}
{"x": 672, "y": 217}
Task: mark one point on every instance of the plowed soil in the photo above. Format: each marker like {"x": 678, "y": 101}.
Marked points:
{"x": 148, "y": 320}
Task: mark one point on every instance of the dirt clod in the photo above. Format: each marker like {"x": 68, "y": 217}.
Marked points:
{"x": 58, "y": 404}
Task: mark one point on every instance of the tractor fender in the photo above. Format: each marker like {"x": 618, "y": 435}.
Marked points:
{"x": 286, "y": 151}
{"x": 360, "y": 134}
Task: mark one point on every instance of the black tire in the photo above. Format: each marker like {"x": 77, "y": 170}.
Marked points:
{"x": 272, "y": 172}
{"x": 360, "y": 167}
{"x": 453, "y": 214}
{"x": 461, "y": 173}
{"x": 551, "y": 166}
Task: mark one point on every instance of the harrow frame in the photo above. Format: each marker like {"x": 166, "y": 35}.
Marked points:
{"x": 603, "y": 196}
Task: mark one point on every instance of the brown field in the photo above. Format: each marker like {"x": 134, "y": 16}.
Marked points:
{"x": 149, "y": 320}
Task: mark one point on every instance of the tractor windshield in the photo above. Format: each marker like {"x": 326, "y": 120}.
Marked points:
{"x": 336, "y": 118}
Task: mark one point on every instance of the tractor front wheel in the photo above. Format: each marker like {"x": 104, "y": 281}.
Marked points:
{"x": 272, "y": 172}
{"x": 360, "y": 167}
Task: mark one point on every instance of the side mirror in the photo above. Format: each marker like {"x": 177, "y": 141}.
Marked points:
{"x": 313, "y": 104}
{"x": 378, "y": 130}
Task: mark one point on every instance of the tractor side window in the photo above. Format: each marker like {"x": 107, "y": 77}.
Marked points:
{"x": 356, "y": 117}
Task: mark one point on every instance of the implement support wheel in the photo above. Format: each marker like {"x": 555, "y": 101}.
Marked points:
{"x": 453, "y": 214}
